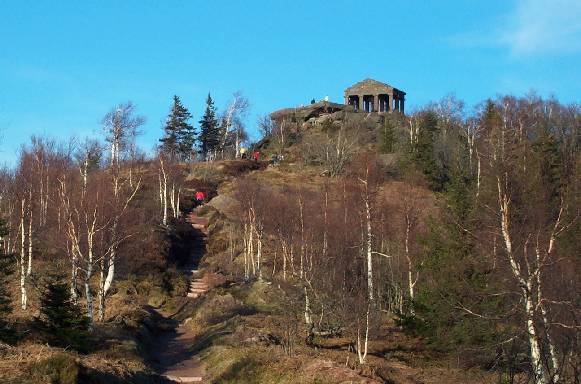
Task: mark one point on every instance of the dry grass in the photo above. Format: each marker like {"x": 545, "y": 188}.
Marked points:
{"x": 118, "y": 345}
{"x": 240, "y": 327}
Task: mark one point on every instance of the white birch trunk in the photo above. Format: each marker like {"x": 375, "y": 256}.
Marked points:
{"x": 29, "y": 267}
{"x": 101, "y": 292}
{"x": 89, "y": 295}
{"x": 258, "y": 231}
{"x": 178, "y": 202}
{"x": 534, "y": 344}
{"x": 237, "y": 143}
{"x": 74, "y": 270}
{"x": 411, "y": 281}
{"x": 478, "y": 175}
{"x": 247, "y": 250}
{"x": 526, "y": 287}
{"x": 23, "y": 295}
{"x": 362, "y": 354}
{"x": 556, "y": 365}
{"x": 89, "y": 271}
{"x": 284, "y": 258}
{"x": 308, "y": 318}
{"x": 110, "y": 272}
{"x": 172, "y": 200}
{"x": 164, "y": 193}
{"x": 369, "y": 245}
{"x": 160, "y": 194}
{"x": 251, "y": 231}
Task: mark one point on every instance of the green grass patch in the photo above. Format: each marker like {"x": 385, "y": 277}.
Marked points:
{"x": 58, "y": 369}
{"x": 259, "y": 295}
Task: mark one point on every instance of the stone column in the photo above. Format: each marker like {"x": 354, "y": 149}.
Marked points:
{"x": 402, "y": 104}
{"x": 376, "y": 103}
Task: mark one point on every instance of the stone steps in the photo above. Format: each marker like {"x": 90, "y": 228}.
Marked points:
{"x": 198, "y": 286}
{"x": 184, "y": 379}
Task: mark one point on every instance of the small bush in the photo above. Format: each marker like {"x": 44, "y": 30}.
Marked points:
{"x": 412, "y": 325}
{"x": 61, "y": 320}
{"x": 58, "y": 369}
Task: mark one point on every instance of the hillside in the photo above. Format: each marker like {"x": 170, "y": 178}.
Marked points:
{"x": 359, "y": 247}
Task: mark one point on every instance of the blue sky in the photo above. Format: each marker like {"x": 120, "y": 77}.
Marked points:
{"x": 64, "y": 64}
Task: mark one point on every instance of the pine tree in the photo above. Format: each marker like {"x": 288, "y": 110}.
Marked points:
{"x": 550, "y": 166}
{"x": 62, "y": 320}
{"x": 387, "y": 135}
{"x": 5, "y": 271}
{"x": 179, "y": 136}
{"x": 455, "y": 273}
{"x": 424, "y": 153}
{"x": 209, "y": 129}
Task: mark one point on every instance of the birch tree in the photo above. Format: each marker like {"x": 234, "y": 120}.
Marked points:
{"x": 530, "y": 236}
{"x": 83, "y": 223}
{"x": 120, "y": 127}
{"x": 232, "y": 129}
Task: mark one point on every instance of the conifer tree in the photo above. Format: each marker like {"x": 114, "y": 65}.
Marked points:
{"x": 424, "y": 153}
{"x": 209, "y": 129}
{"x": 62, "y": 320}
{"x": 5, "y": 302}
{"x": 387, "y": 135}
{"x": 179, "y": 135}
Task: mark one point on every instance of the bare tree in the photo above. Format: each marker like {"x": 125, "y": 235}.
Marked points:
{"x": 265, "y": 125}
{"x": 232, "y": 128}
{"x": 121, "y": 127}
{"x": 530, "y": 233}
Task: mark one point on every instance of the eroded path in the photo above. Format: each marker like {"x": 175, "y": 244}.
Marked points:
{"x": 173, "y": 348}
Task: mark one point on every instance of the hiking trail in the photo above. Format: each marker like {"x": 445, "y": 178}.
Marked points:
{"x": 173, "y": 348}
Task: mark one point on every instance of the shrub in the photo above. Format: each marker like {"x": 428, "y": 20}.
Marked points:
{"x": 58, "y": 369}
{"x": 61, "y": 320}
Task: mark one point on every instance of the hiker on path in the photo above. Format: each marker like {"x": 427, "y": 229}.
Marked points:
{"x": 243, "y": 153}
{"x": 255, "y": 155}
{"x": 199, "y": 197}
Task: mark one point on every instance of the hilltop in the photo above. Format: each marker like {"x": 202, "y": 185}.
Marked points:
{"x": 360, "y": 247}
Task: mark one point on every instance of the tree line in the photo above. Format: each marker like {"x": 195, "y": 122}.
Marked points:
{"x": 97, "y": 208}
{"x": 468, "y": 235}
{"x": 462, "y": 225}
{"x": 218, "y": 137}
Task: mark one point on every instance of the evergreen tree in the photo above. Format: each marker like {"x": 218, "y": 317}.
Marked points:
{"x": 550, "y": 165}
{"x": 387, "y": 135}
{"x": 61, "y": 319}
{"x": 5, "y": 271}
{"x": 209, "y": 129}
{"x": 179, "y": 135}
{"x": 455, "y": 274}
{"x": 424, "y": 153}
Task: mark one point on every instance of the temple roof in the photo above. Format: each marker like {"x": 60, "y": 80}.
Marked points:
{"x": 370, "y": 83}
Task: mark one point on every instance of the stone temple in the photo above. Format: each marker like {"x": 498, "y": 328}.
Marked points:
{"x": 373, "y": 96}
{"x": 368, "y": 99}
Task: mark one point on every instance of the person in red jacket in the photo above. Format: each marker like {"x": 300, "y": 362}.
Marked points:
{"x": 255, "y": 155}
{"x": 199, "y": 197}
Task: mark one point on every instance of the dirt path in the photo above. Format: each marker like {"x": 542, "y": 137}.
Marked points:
{"x": 173, "y": 351}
